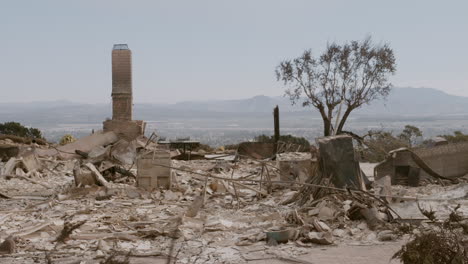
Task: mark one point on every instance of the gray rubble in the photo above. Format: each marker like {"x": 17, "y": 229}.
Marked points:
{"x": 203, "y": 215}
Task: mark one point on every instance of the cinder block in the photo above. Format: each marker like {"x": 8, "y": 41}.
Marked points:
{"x": 153, "y": 171}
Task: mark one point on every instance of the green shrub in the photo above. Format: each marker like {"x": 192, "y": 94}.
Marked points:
{"x": 457, "y": 136}
{"x": 16, "y": 129}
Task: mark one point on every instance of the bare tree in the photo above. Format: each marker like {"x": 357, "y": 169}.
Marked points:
{"x": 347, "y": 75}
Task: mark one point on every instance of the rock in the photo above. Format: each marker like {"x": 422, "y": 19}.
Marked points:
{"x": 103, "y": 246}
{"x": 124, "y": 152}
{"x": 286, "y": 197}
{"x": 321, "y": 238}
{"x": 386, "y": 235}
{"x": 355, "y": 231}
{"x": 362, "y": 226}
{"x": 132, "y": 193}
{"x": 372, "y": 217}
{"x": 347, "y": 205}
{"x": 8, "y": 246}
{"x": 99, "y": 153}
{"x": 172, "y": 196}
{"x": 324, "y": 226}
{"x": 371, "y": 237}
{"x": 282, "y": 236}
{"x": 313, "y": 212}
{"x": 10, "y": 166}
{"x": 194, "y": 208}
{"x": 30, "y": 162}
{"x": 83, "y": 177}
{"x": 326, "y": 213}
{"x": 8, "y": 151}
{"x": 339, "y": 232}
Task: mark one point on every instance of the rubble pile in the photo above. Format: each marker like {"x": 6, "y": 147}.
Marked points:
{"x": 85, "y": 201}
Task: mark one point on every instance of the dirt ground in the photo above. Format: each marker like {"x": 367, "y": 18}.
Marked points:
{"x": 341, "y": 254}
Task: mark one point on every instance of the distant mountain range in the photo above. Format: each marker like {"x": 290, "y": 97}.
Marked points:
{"x": 402, "y": 102}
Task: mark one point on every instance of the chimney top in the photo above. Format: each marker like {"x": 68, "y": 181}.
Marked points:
{"x": 120, "y": 47}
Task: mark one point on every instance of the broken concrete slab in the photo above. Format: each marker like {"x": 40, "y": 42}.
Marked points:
{"x": 85, "y": 144}
{"x": 10, "y": 166}
{"x": 321, "y": 238}
{"x": 99, "y": 154}
{"x": 30, "y": 162}
{"x": 124, "y": 152}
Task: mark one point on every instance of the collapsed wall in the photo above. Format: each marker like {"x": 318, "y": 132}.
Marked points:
{"x": 449, "y": 161}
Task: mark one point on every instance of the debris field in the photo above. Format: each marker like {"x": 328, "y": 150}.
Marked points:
{"x": 60, "y": 204}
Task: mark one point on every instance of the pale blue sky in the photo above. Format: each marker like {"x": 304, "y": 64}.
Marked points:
{"x": 196, "y": 50}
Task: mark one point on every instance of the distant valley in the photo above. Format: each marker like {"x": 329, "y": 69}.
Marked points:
{"x": 219, "y": 122}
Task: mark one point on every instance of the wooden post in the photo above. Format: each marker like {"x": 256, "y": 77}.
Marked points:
{"x": 277, "y": 126}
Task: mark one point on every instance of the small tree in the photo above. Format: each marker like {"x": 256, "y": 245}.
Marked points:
{"x": 351, "y": 74}
{"x": 410, "y": 134}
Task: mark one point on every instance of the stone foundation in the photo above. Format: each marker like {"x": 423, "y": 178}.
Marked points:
{"x": 128, "y": 130}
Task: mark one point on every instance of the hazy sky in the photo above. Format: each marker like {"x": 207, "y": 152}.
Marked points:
{"x": 196, "y": 50}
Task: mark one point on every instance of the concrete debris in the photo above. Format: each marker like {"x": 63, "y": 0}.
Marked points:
{"x": 124, "y": 152}
{"x": 30, "y": 162}
{"x": 85, "y": 144}
{"x": 129, "y": 196}
{"x": 99, "y": 154}
{"x": 295, "y": 166}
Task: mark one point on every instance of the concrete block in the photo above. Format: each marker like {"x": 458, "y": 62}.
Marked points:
{"x": 150, "y": 173}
